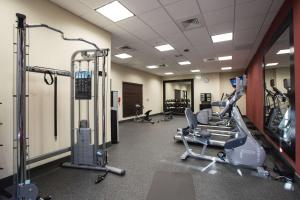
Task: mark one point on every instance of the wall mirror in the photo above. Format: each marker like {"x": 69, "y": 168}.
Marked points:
{"x": 178, "y": 95}
{"x": 279, "y": 108}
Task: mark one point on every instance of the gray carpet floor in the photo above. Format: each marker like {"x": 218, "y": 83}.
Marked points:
{"x": 145, "y": 149}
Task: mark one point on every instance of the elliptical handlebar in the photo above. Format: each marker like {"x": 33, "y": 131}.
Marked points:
{"x": 235, "y": 95}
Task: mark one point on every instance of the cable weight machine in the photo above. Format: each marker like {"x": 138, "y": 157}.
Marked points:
{"x": 24, "y": 189}
{"x": 85, "y": 151}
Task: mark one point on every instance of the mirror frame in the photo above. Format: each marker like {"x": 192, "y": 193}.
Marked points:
{"x": 175, "y": 81}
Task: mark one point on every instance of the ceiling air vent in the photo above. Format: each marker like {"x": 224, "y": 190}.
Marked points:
{"x": 190, "y": 23}
{"x": 126, "y": 48}
{"x": 210, "y": 60}
{"x": 163, "y": 65}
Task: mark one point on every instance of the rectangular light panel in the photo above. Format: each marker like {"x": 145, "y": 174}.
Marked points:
{"x": 226, "y": 68}
{"x": 222, "y": 58}
{"x": 284, "y": 51}
{"x": 271, "y": 64}
{"x": 165, "y": 47}
{"x": 152, "y": 67}
{"x": 222, "y": 37}
{"x": 184, "y": 63}
{"x": 169, "y": 73}
{"x": 195, "y": 70}
{"x": 115, "y": 11}
{"x": 123, "y": 56}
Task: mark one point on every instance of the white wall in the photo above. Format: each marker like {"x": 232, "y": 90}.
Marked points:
{"x": 46, "y": 49}
{"x": 152, "y": 87}
{"x": 214, "y": 83}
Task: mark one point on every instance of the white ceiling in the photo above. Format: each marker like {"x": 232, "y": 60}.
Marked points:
{"x": 157, "y": 22}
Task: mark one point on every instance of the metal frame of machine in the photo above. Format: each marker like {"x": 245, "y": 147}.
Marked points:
{"x": 24, "y": 189}
{"x": 243, "y": 150}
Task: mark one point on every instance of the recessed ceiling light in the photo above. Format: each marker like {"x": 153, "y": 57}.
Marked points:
{"x": 221, "y": 37}
{"x": 271, "y": 64}
{"x": 284, "y": 51}
{"x": 169, "y": 73}
{"x": 115, "y": 11}
{"x": 123, "y": 56}
{"x": 165, "y": 47}
{"x": 152, "y": 66}
{"x": 184, "y": 63}
{"x": 225, "y": 58}
{"x": 195, "y": 70}
{"x": 226, "y": 68}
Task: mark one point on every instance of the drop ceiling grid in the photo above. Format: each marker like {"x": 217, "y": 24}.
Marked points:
{"x": 149, "y": 30}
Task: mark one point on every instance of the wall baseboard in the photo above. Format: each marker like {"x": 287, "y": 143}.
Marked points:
{"x": 39, "y": 170}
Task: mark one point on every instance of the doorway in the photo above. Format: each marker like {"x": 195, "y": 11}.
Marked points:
{"x": 132, "y": 95}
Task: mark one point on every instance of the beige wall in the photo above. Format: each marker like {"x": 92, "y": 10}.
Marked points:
{"x": 152, "y": 87}
{"x": 46, "y": 49}
{"x": 214, "y": 83}
{"x": 278, "y": 74}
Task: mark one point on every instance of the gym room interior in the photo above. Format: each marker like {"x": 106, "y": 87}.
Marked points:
{"x": 150, "y": 100}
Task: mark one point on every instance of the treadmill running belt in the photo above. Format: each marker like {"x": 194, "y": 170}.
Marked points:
{"x": 172, "y": 186}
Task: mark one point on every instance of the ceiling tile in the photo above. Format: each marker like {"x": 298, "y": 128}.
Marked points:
{"x": 165, "y": 2}
{"x": 183, "y": 9}
{"x": 219, "y": 16}
{"x": 248, "y": 23}
{"x": 97, "y": 19}
{"x": 167, "y": 29}
{"x": 145, "y": 33}
{"x": 276, "y": 5}
{"x": 224, "y": 48}
{"x": 225, "y": 27}
{"x": 207, "y": 51}
{"x": 132, "y": 23}
{"x": 245, "y": 37}
{"x": 155, "y": 41}
{"x": 198, "y": 37}
{"x": 140, "y": 6}
{"x": 76, "y": 7}
{"x": 156, "y": 17}
{"x": 93, "y": 4}
{"x": 240, "y": 54}
{"x": 243, "y": 1}
{"x": 252, "y": 8}
{"x": 211, "y": 5}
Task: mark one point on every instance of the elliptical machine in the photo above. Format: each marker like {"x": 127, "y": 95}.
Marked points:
{"x": 242, "y": 150}
{"x": 139, "y": 117}
{"x": 287, "y": 124}
{"x": 219, "y": 121}
{"x": 274, "y": 112}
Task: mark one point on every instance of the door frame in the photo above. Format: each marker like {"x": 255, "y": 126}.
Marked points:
{"x": 175, "y": 81}
{"x": 130, "y": 83}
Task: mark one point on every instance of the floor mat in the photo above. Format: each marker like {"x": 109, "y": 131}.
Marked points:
{"x": 172, "y": 186}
